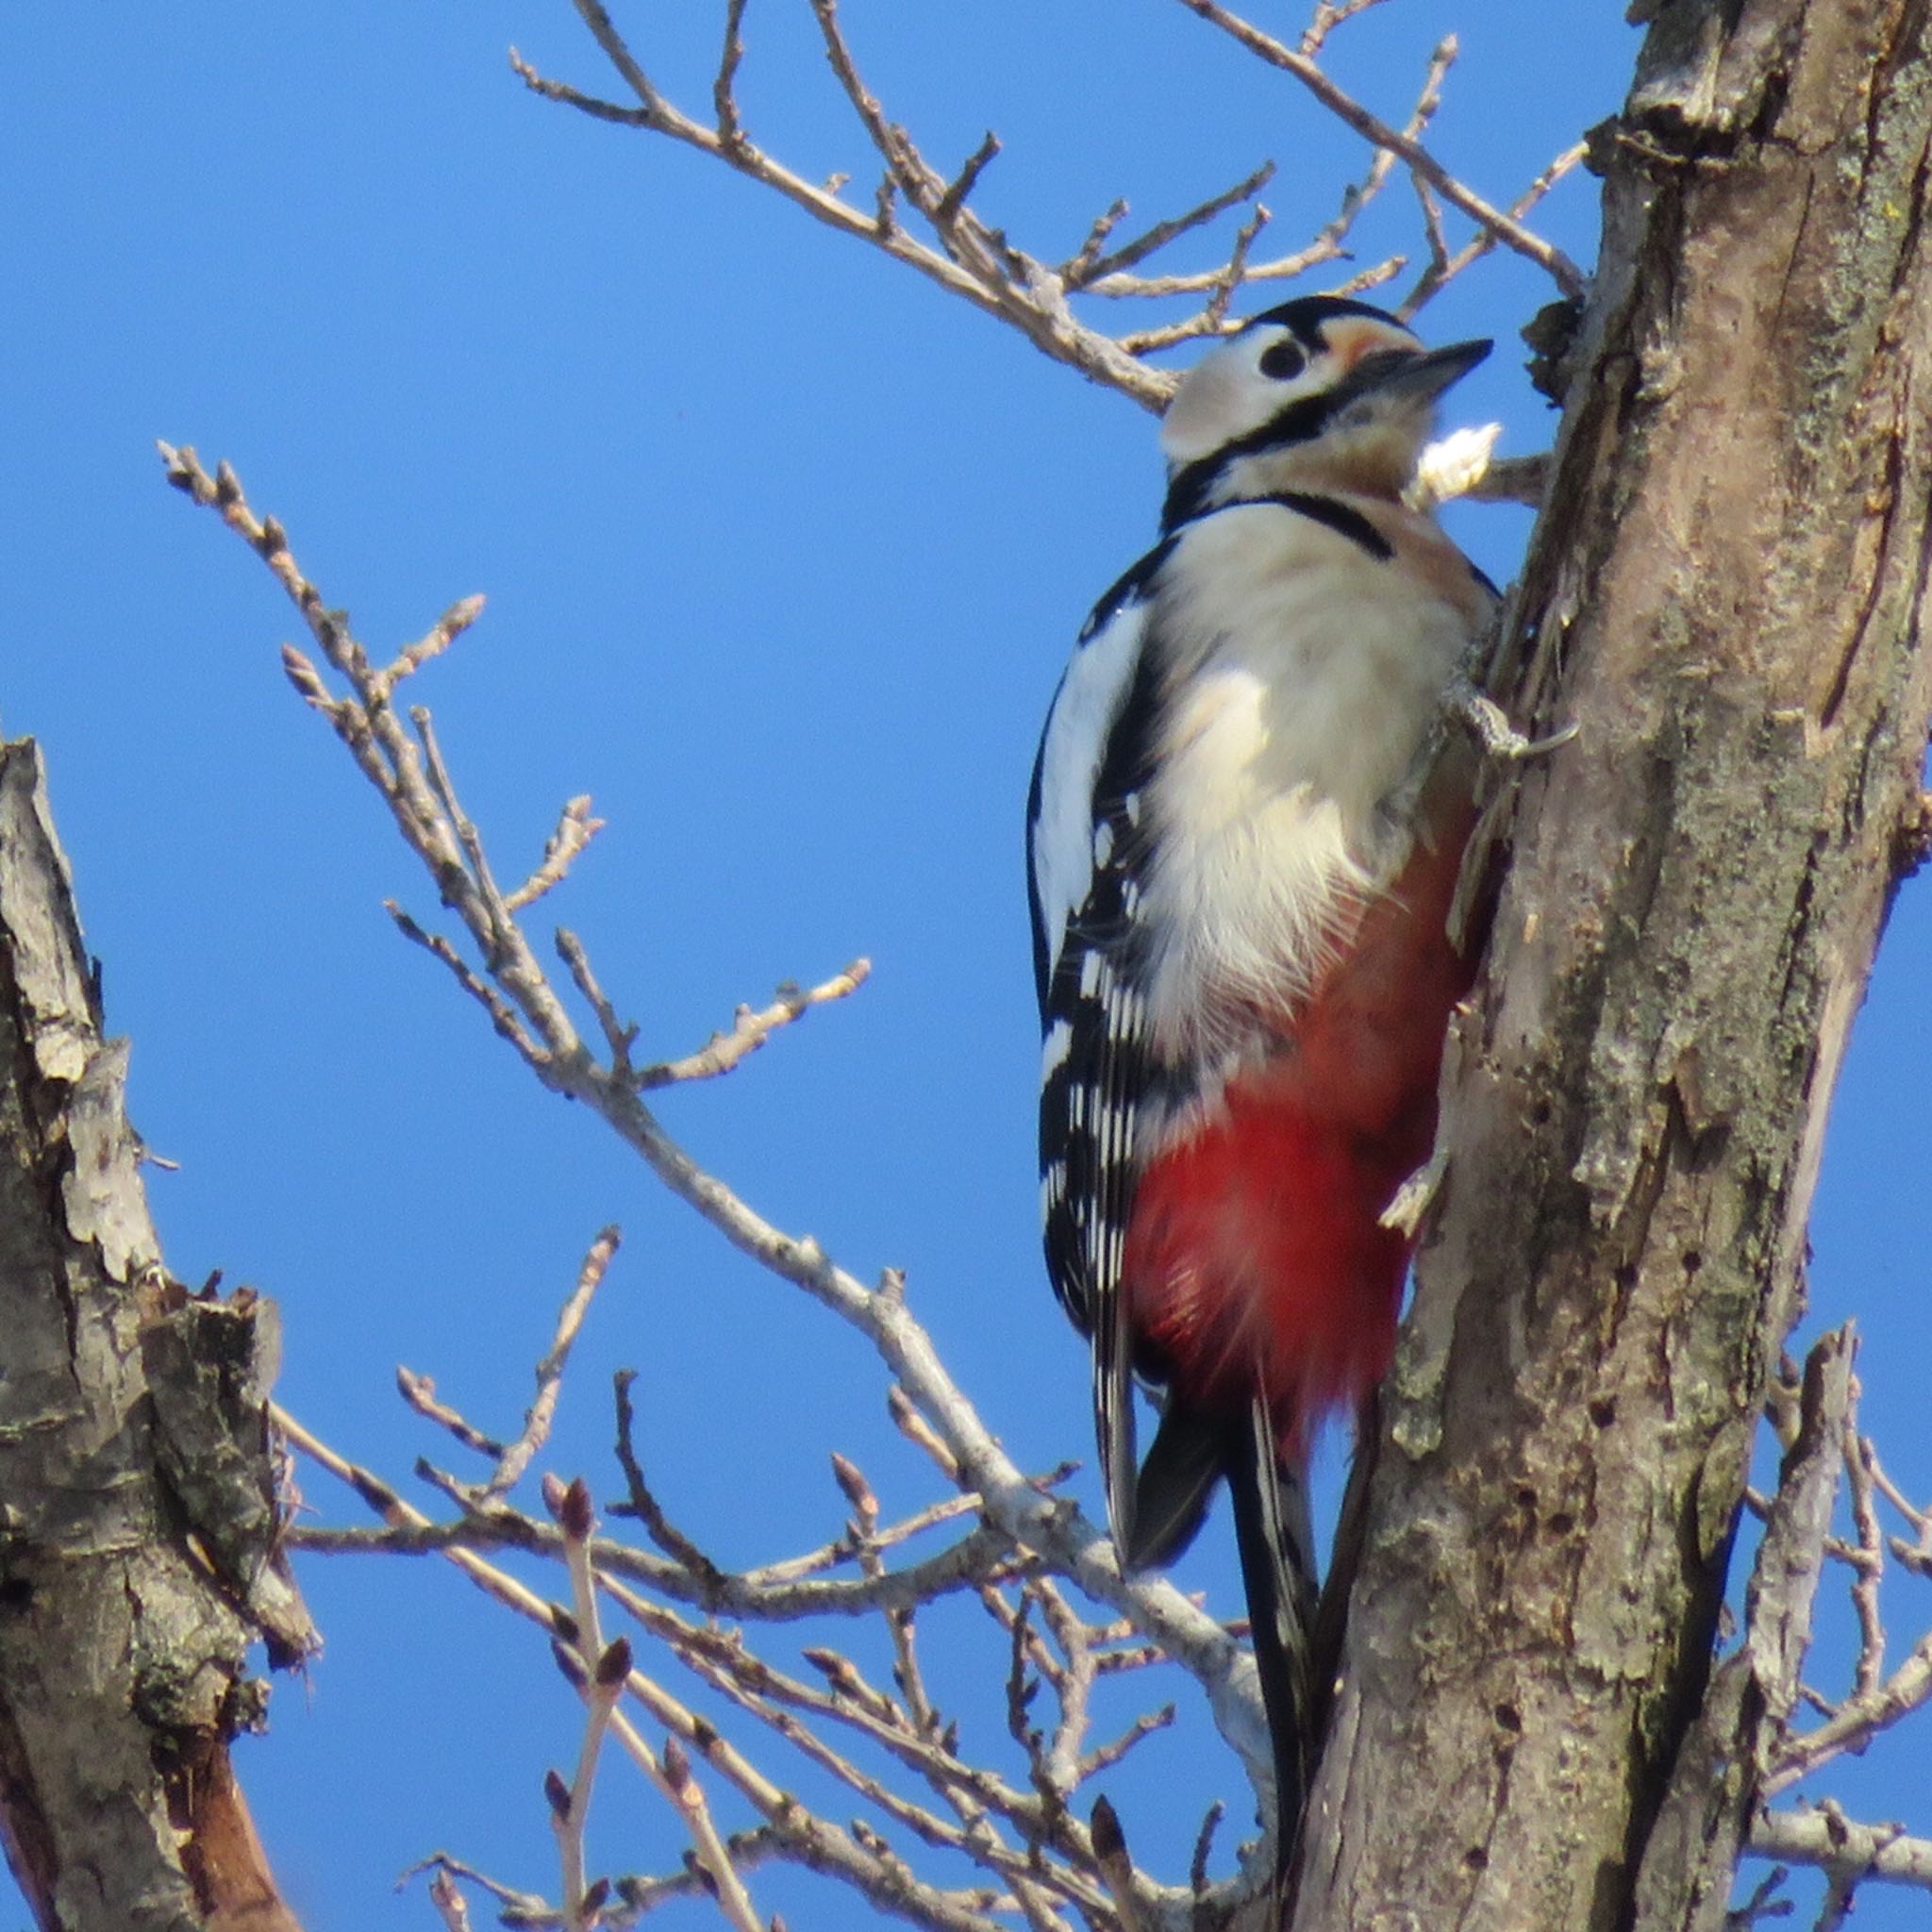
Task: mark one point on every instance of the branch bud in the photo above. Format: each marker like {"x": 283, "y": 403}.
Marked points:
{"x": 859, "y": 1492}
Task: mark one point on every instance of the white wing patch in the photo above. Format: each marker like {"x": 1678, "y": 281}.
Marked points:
{"x": 1063, "y": 837}
{"x": 1054, "y": 1048}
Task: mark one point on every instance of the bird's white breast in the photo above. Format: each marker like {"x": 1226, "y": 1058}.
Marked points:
{"x": 1304, "y": 679}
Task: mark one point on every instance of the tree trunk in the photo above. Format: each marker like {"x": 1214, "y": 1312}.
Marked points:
{"x": 136, "y": 1513}
{"x": 1724, "y": 595}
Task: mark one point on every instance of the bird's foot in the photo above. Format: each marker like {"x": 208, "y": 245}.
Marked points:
{"x": 1490, "y": 725}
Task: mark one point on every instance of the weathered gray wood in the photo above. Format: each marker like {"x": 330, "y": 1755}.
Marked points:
{"x": 121, "y": 1654}
{"x": 1725, "y": 594}
{"x": 1691, "y": 1855}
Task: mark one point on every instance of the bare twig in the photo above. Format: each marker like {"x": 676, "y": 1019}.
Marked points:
{"x": 1915, "y": 1556}
{"x": 712, "y": 1581}
{"x": 724, "y": 94}
{"x": 443, "y": 1867}
{"x": 1828, "y": 1838}
{"x": 1103, "y": 1756}
{"x": 910, "y": 1733}
{"x": 818, "y": 1841}
{"x": 946, "y": 211}
{"x": 1765, "y": 1903}
{"x": 450, "y": 1907}
{"x": 714, "y": 1853}
{"x": 503, "y": 1016}
{"x": 924, "y": 218}
{"x": 618, "y": 1037}
{"x": 921, "y": 1434}
{"x": 1507, "y": 230}
{"x": 1718, "y": 1774}
{"x": 1204, "y": 1844}
{"x": 985, "y": 272}
{"x": 438, "y": 639}
{"x": 725, "y": 1663}
{"x": 1441, "y": 272}
{"x": 966, "y": 1565}
{"x": 1856, "y": 1721}
{"x": 598, "y": 1674}
{"x": 1328, "y": 15}
{"x": 750, "y": 1030}
{"x": 1221, "y": 288}
{"x": 418, "y": 1392}
{"x": 575, "y": 830}
{"x": 1082, "y": 272}
{"x": 842, "y": 1549}
{"x": 516, "y": 1457}
{"x": 1868, "y": 1561}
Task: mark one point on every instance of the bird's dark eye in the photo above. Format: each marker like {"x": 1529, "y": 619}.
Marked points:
{"x": 1283, "y": 360}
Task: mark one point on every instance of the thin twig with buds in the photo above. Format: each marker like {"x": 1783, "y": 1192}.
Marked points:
{"x": 923, "y": 215}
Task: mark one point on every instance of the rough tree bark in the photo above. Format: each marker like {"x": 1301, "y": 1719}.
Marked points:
{"x": 1726, "y": 596}
{"x": 137, "y": 1514}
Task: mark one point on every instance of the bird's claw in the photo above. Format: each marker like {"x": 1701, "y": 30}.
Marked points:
{"x": 1490, "y": 725}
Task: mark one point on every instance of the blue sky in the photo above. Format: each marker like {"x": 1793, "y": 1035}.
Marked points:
{"x": 783, "y": 549}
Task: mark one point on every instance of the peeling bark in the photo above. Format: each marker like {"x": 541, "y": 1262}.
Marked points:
{"x": 1725, "y": 594}
{"x": 125, "y": 1611}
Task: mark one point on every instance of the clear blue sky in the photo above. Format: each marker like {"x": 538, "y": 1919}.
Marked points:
{"x": 784, "y": 550}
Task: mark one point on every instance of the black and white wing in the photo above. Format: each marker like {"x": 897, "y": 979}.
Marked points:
{"x": 1086, "y": 851}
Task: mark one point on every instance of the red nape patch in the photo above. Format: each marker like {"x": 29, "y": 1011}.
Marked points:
{"x": 1255, "y": 1248}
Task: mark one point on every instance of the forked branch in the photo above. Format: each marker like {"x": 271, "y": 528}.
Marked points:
{"x": 1028, "y": 1538}
{"x": 924, "y": 215}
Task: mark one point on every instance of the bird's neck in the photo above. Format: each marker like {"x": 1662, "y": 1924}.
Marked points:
{"x": 1363, "y": 465}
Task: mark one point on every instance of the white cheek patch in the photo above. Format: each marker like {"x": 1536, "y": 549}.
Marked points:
{"x": 1209, "y": 406}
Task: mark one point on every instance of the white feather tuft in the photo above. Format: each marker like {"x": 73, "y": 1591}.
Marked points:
{"x": 1454, "y": 466}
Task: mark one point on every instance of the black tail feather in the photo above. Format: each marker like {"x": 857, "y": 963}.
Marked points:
{"x": 1113, "y": 1414}
{"x": 1188, "y": 1457}
{"x": 1276, "y": 1544}
{"x": 1163, "y": 1509}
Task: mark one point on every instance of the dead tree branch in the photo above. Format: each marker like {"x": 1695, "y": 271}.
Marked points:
{"x": 142, "y": 1520}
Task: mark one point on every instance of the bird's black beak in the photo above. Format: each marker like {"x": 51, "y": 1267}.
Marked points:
{"x": 1415, "y": 376}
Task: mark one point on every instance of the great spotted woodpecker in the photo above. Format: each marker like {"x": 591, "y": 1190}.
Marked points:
{"x": 1245, "y": 829}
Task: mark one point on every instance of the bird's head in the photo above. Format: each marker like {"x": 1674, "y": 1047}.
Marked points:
{"x": 1321, "y": 393}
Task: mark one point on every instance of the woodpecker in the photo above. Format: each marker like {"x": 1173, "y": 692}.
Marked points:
{"x": 1245, "y": 831}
